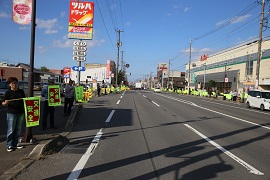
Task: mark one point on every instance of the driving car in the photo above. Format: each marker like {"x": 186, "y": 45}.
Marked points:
{"x": 157, "y": 89}
{"x": 4, "y": 86}
{"x": 258, "y": 99}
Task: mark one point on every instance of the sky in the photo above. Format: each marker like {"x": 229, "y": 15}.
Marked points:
{"x": 152, "y": 32}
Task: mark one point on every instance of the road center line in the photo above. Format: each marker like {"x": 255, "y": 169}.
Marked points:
{"x": 121, "y": 97}
{"x": 110, "y": 116}
{"x": 118, "y": 102}
{"x": 90, "y": 150}
{"x": 231, "y": 155}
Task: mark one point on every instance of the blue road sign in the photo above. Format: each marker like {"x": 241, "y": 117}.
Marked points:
{"x": 78, "y": 68}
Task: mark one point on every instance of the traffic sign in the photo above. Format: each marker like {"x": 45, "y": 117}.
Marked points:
{"x": 127, "y": 65}
{"x": 79, "y": 48}
{"x": 226, "y": 80}
{"x": 79, "y": 58}
{"x": 79, "y": 53}
{"x": 79, "y": 43}
{"x": 78, "y": 68}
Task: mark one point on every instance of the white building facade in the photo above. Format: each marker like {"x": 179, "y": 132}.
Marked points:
{"x": 232, "y": 69}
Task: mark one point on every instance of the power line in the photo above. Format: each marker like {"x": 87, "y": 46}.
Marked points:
{"x": 105, "y": 26}
{"x": 245, "y": 11}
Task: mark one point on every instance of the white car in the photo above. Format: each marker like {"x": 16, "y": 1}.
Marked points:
{"x": 258, "y": 99}
{"x": 157, "y": 89}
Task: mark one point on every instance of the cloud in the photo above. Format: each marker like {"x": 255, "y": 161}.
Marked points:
{"x": 198, "y": 51}
{"x": 22, "y": 28}
{"x": 174, "y": 6}
{"x": 235, "y": 20}
{"x": 128, "y": 23}
{"x": 50, "y": 25}
{"x": 63, "y": 43}
{"x": 187, "y": 9}
{"x": 50, "y": 31}
{"x": 41, "y": 49}
{"x": 4, "y": 15}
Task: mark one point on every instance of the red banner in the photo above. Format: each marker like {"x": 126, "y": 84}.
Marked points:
{"x": 32, "y": 111}
{"x": 54, "y": 97}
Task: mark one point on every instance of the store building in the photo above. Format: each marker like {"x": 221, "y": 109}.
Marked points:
{"x": 232, "y": 69}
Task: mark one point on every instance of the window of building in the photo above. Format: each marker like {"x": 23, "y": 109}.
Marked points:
{"x": 249, "y": 65}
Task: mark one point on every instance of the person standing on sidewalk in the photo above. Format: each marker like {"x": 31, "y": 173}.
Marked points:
{"x": 69, "y": 98}
{"x": 46, "y": 108}
{"x": 15, "y": 113}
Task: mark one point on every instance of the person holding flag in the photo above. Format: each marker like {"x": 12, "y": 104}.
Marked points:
{"x": 46, "y": 108}
{"x": 13, "y": 99}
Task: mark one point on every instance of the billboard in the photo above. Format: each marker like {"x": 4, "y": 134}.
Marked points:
{"x": 66, "y": 72}
{"x": 81, "y": 16}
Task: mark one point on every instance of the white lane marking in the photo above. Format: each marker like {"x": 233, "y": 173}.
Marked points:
{"x": 123, "y": 93}
{"x": 237, "y": 107}
{"x": 144, "y": 96}
{"x": 155, "y": 103}
{"x": 250, "y": 168}
{"x": 118, "y": 102}
{"x": 121, "y": 97}
{"x": 110, "y": 116}
{"x": 239, "y": 119}
{"x": 90, "y": 150}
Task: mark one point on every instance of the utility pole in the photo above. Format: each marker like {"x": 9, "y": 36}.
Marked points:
{"x": 189, "y": 66}
{"x": 119, "y": 44}
{"x": 259, "y": 46}
{"x": 168, "y": 82}
{"x": 151, "y": 80}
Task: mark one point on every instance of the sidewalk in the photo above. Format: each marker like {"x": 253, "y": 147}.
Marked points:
{"x": 47, "y": 142}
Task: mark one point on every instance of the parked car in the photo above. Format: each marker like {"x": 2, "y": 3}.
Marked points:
{"x": 38, "y": 86}
{"x": 258, "y": 99}
{"x": 4, "y": 86}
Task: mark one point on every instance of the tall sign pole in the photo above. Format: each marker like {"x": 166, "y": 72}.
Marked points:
{"x": 259, "y": 46}
{"x": 28, "y": 136}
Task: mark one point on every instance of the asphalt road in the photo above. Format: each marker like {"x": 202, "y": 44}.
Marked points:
{"x": 146, "y": 135}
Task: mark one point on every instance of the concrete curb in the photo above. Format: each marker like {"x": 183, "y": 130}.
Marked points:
{"x": 44, "y": 148}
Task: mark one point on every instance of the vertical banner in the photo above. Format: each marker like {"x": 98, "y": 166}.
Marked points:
{"x": 54, "y": 97}
{"x": 81, "y": 15}
{"x": 108, "y": 69}
{"x": 79, "y": 93}
{"x": 21, "y": 11}
{"x": 32, "y": 111}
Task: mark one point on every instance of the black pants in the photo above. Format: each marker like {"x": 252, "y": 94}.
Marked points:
{"x": 46, "y": 111}
{"x": 68, "y": 105}
{"x": 234, "y": 98}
